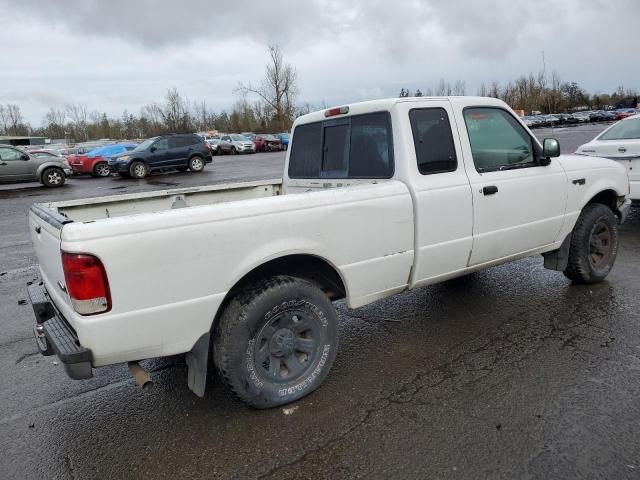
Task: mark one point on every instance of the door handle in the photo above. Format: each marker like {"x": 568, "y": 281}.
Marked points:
{"x": 622, "y": 150}
{"x": 490, "y": 190}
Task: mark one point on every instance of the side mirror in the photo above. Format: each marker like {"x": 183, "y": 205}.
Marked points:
{"x": 152, "y": 149}
{"x": 550, "y": 149}
{"x": 24, "y": 156}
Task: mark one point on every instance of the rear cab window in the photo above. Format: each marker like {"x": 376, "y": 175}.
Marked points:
{"x": 359, "y": 146}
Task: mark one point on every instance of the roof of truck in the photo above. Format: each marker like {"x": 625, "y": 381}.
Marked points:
{"x": 387, "y": 104}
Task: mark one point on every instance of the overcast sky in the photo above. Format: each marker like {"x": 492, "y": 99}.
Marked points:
{"x": 121, "y": 54}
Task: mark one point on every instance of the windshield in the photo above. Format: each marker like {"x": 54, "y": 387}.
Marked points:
{"x": 239, "y": 138}
{"x": 145, "y": 145}
{"x": 625, "y": 130}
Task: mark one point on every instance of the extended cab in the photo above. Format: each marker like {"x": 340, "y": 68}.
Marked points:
{"x": 376, "y": 198}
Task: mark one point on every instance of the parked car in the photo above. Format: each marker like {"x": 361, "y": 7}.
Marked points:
{"x": 266, "y": 143}
{"x": 620, "y": 142}
{"x": 19, "y": 166}
{"x": 213, "y": 144}
{"x": 284, "y": 139}
{"x": 582, "y": 117}
{"x": 181, "y": 152}
{"x": 96, "y": 161}
{"x": 628, "y": 112}
{"x": 376, "y": 198}
{"x": 234, "y": 144}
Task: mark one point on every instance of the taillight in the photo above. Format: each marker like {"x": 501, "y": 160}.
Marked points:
{"x": 336, "y": 111}
{"x": 207, "y": 146}
{"x": 87, "y": 283}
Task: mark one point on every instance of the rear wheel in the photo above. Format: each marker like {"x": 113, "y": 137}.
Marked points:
{"x": 276, "y": 341}
{"x": 53, "y": 177}
{"x": 196, "y": 164}
{"x": 594, "y": 245}
{"x": 101, "y": 169}
{"x": 138, "y": 170}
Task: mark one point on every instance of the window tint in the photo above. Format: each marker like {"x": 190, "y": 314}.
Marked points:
{"x": 161, "y": 144}
{"x": 625, "y": 130}
{"x": 498, "y": 141}
{"x": 433, "y": 140}
{"x": 355, "y": 147}
{"x": 9, "y": 154}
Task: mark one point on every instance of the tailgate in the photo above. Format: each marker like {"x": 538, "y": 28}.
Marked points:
{"x": 45, "y": 226}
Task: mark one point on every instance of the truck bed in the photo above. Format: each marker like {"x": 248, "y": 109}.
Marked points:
{"x": 87, "y": 210}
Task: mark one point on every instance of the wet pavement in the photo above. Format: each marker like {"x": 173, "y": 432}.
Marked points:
{"x": 508, "y": 373}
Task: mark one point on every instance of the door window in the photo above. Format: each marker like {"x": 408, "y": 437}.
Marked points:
{"x": 9, "y": 154}
{"x": 625, "y": 130}
{"x": 498, "y": 141}
{"x": 161, "y": 144}
{"x": 360, "y": 146}
{"x": 433, "y": 140}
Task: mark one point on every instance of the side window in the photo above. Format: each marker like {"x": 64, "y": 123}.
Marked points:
{"x": 360, "y": 146}
{"x": 498, "y": 141}
{"x": 626, "y": 130}
{"x": 433, "y": 140}
{"x": 9, "y": 154}
{"x": 161, "y": 144}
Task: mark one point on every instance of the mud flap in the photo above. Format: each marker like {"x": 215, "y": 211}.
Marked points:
{"x": 558, "y": 259}
{"x": 197, "y": 361}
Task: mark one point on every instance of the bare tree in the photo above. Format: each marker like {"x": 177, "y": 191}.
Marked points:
{"x": 460, "y": 88}
{"x": 278, "y": 89}
{"x": 78, "y": 114}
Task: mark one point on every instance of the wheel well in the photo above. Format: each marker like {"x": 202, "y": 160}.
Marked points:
{"x": 608, "y": 198}
{"x": 309, "y": 267}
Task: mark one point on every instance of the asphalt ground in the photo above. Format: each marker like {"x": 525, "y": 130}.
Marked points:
{"x": 508, "y": 373}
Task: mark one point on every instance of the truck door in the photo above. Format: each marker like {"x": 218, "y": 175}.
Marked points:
{"x": 518, "y": 203}
{"x": 442, "y": 194}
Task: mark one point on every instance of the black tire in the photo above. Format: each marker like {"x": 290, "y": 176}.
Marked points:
{"x": 276, "y": 341}
{"x": 101, "y": 169}
{"x": 138, "y": 169}
{"x": 196, "y": 164}
{"x": 234, "y": 151}
{"x": 53, "y": 177}
{"x": 594, "y": 245}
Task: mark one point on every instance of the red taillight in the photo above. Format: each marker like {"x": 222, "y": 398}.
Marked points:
{"x": 87, "y": 283}
{"x": 207, "y": 146}
{"x": 332, "y": 112}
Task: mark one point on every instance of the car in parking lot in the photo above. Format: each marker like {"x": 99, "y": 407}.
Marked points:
{"x": 19, "y": 166}
{"x": 234, "y": 144}
{"x": 627, "y": 112}
{"x": 177, "y": 151}
{"x": 96, "y": 161}
{"x": 284, "y": 139}
{"x": 266, "y": 143}
{"x": 620, "y": 142}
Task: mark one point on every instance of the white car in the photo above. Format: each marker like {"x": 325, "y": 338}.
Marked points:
{"x": 376, "y": 198}
{"x": 620, "y": 142}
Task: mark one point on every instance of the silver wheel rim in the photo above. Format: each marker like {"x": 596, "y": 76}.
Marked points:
{"x": 102, "y": 170}
{"x": 196, "y": 164}
{"x": 139, "y": 170}
{"x": 54, "y": 178}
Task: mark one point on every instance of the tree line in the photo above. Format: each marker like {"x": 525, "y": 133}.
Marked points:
{"x": 273, "y": 107}
{"x": 536, "y": 92}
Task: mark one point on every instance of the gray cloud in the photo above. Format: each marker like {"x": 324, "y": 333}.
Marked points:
{"x": 122, "y": 54}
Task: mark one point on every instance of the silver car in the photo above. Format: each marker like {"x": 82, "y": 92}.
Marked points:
{"x": 19, "y": 166}
{"x": 235, "y": 144}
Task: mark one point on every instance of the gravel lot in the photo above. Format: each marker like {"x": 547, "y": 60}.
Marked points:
{"x": 509, "y": 373}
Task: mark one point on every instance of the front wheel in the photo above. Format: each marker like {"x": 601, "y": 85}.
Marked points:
{"x": 234, "y": 151}
{"x": 138, "y": 170}
{"x": 53, "y": 177}
{"x": 196, "y": 164}
{"x": 276, "y": 341}
{"x": 594, "y": 245}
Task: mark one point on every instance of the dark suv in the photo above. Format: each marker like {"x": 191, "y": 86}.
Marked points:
{"x": 182, "y": 152}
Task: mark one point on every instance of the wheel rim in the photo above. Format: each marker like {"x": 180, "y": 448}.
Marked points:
{"x": 285, "y": 348}
{"x": 600, "y": 245}
{"x": 196, "y": 164}
{"x": 54, "y": 178}
{"x": 138, "y": 170}
{"x": 102, "y": 170}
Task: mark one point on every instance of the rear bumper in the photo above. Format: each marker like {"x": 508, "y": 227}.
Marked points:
{"x": 57, "y": 336}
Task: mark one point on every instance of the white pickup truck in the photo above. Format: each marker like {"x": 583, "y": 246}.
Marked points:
{"x": 376, "y": 198}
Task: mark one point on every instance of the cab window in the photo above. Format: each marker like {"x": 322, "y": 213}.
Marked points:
{"x": 433, "y": 140}
{"x": 498, "y": 141}
{"x": 359, "y": 146}
{"x": 161, "y": 144}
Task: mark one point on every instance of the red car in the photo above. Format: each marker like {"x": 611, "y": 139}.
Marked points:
{"x": 96, "y": 161}
{"x": 266, "y": 143}
{"x": 625, "y": 113}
